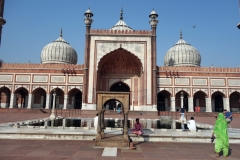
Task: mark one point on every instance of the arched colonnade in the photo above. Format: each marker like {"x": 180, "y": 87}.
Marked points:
{"x": 39, "y": 98}
{"x": 199, "y": 102}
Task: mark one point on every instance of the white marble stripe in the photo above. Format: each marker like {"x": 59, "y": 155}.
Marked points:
{"x": 110, "y": 152}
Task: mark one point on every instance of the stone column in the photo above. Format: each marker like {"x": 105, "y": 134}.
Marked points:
{"x": 226, "y": 104}
{"x": 208, "y": 105}
{"x": 102, "y": 124}
{"x": 65, "y": 101}
{"x": 99, "y": 126}
{"x": 47, "y": 101}
{"x": 190, "y": 104}
{"x": 153, "y": 22}
{"x": 57, "y": 102}
{"x": 72, "y": 104}
{"x": 88, "y": 21}
{"x": 125, "y": 130}
{"x": 12, "y": 100}
{"x": 213, "y": 105}
{"x": 173, "y": 107}
{"x": 52, "y": 116}
{"x": 166, "y": 104}
{"x": 181, "y": 101}
{"x": 41, "y": 102}
{"x": 29, "y": 101}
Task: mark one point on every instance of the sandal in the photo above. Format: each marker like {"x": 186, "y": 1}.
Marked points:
{"x": 217, "y": 154}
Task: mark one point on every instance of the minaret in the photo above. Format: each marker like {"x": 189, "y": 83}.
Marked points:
{"x": 88, "y": 21}
{"x": 2, "y": 21}
{"x": 121, "y": 14}
{"x": 153, "y": 22}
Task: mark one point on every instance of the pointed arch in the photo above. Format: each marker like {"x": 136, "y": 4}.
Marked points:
{"x": 21, "y": 97}
{"x": 75, "y": 98}
{"x": 217, "y": 99}
{"x": 163, "y": 100}
{"x": 234, "y": 100}
{"x": 120, "y": 61}
{"x": 4, "y": 97}
{"x": 39, "y": 97}
{"x": 199, "y": 100}
{"x": 185, "y": 95}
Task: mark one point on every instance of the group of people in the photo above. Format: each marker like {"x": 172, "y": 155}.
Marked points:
{"x": 220, "y": 132}
{"x": 191, "y": 124}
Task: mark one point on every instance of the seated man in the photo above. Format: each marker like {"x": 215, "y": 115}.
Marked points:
{"x": 228, "y": 116}
{"x": 191, "y": 124}
{"x": 137, "y": 128}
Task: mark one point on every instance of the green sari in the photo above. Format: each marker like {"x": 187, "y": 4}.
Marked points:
{"x": 221, "y": 133}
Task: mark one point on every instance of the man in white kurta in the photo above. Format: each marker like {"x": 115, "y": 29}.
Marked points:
{"x": 191, "y": 124}
{"x": 96, "y": 121}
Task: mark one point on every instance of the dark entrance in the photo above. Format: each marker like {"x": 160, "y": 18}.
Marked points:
{"x": 120, "y": 87}
{"x": 78, "y": 101}
{"x": 161, "y": 102}
{"x": 218, "y": 103}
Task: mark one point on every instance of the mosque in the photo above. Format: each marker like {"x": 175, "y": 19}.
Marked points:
{"x": 121, "y": 60}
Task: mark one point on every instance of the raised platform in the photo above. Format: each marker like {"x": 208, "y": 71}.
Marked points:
{"x": 112, "y": 140}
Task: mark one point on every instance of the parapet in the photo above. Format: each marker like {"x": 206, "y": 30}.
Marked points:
{"x": 198, "y": 69}
{"x": 124, "y": 32}
{"x": 40, "y": 66}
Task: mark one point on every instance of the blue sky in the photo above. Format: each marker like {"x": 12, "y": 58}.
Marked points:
{"x": 32, "y": 24}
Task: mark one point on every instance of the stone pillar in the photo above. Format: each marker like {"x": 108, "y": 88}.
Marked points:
{"x": 57, "y": 102}
{"x": 166, "y": 104}
{"x": 102, "y": 124}
{"x": 181, "y": 101}
{"x": 208, "y": 105}
{"x": 99, "y": 126}
{"x": 190, "y": 104}
{"x": 226, "y": 104}
{"x": 41, "y": 102}
{"x": 65, "y": 101}
{"x": 213, "y": 105}
{"x": 173, "y": 107}
{"x": 153, "y": 22}
{"x": 29, "y": 101}
{"x": 52, "y": 116}
{"x": 125, "y": 129}
{"x": 47, "y": 101}
{"x": 2, "y": 21}
{"x": 88, "y": 21}
{"x": 12, "y": 101}
{"x": 72, "y": 104}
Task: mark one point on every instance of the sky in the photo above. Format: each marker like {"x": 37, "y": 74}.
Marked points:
{"x": 32, "y": 24}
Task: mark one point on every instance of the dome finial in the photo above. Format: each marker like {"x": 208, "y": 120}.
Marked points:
{"x": 61, "y": 33}
{"x": 181, "y": 34}
{"x": 121, "y": 14}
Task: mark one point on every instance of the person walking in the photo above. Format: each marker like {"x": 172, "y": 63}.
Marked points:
{"x": 182, "y": 117}
{"x": 221, "y": 133}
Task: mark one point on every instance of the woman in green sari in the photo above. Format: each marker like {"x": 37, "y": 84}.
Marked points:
{"x": 221, "y": 133}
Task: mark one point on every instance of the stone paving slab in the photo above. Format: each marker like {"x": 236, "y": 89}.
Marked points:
{"x": 36, "y": 150}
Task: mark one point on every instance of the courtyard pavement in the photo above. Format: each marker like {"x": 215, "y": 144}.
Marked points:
{"x": 85, "y": 150}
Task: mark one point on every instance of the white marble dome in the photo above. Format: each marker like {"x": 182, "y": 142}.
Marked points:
{"x": 182, "y": 54}
{"x": 59, "y": 51}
